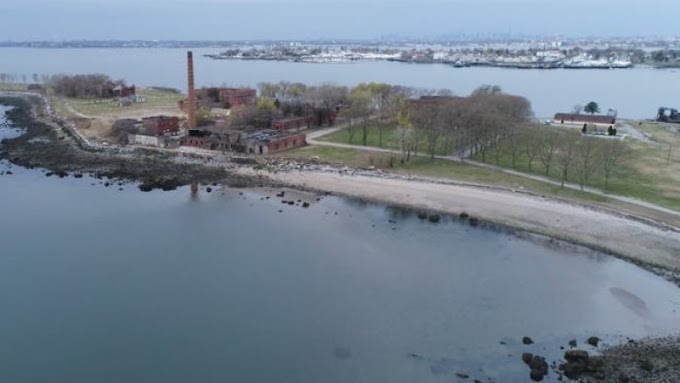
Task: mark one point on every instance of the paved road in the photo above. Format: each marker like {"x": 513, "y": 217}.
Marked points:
{"x": 313, "y": 139}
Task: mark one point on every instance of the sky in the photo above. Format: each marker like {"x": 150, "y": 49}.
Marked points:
{"x": 331, "y": 19}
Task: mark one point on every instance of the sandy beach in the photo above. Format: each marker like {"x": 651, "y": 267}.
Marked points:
{"x": 599, "y": 229}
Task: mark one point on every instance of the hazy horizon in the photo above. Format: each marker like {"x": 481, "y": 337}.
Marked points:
{"x": 226, "y": 20}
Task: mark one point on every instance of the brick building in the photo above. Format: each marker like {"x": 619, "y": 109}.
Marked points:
{"x": 272, "y": 141}
{"x": 124, "y": 91}
{"x": 232, "y": 97}
{"x": 200, "y": 103}
{"x": 160, "y": 125}
{"x": 205, "y": 139}
{"x": 293, "y": 124}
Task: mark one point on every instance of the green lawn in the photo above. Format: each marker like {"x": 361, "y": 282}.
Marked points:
{"x": 153, "y": 99}
{"x": 643, "y": 174}
{"x": 425, "y": 167}
{"x": 389, "y": 138}
{"x": 13, "y": 87}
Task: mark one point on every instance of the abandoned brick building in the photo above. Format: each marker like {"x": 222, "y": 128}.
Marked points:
{"x": 293, "y": 123}
{"x": 160, "y": 125}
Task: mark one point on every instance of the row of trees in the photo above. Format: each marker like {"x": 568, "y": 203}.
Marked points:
{"x": 562, "y": 154}
{"x": 84, "y": 85}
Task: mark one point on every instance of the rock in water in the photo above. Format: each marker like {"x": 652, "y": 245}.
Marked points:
{"x": 593, "y": 341}
{"x": 539, "y": 368}
{"x": 536, "y": 375}
{"x": 576, "y": 355}
{"x": 527, "y": 340}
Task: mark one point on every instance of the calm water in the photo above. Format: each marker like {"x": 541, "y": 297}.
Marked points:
{"x": 103, "y": 285}
{"x": 635, "y": 93}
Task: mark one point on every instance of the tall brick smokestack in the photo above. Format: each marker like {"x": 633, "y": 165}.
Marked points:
{"x": 191, "y": 102}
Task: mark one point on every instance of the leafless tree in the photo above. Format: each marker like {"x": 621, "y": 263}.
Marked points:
{"x": 588, "y": 159}
{"x": 613, "y": 152}
{"x": 548, "y": 146}
{"x": 531, "y": 145}
{"x": 565, "y": 156}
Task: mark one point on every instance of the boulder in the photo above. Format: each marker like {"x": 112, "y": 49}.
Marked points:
{"x": 537, "y": 375}
{"x": 593, "y": 341}
{"x": 595, "y": 363}
{"x": 576, "y": 356}
{"x": 527, "y": 340}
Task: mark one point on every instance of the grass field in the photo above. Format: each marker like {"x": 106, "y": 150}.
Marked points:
{"x": 153, "y": 99}
{"x": 425, "y": 167}
{"x": 13, "y": 87}
{"x": 389, "y": 139}
{"x": 645, "y": 174}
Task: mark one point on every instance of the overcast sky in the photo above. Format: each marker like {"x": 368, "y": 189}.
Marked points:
{"x": 343, "y": 19}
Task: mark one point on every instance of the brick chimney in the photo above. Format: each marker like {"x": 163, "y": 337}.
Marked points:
{"x": 191, "y": 101}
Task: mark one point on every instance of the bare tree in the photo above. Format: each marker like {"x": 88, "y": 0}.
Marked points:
{"x": 515, "y": 141}
{"x": 613, "y": 152}
{"x": 588, "y": 159}
{"x": 576, "y": 109}
{"x": 268, "y": 90}
{"x": 566, "y": 155}
{"x": 531, "y": 145}
{"x": 548, "y": 146}
{"x": 423, "y": 118}
{"x": 487, "y": 90}
{"x": 359, "y": 113}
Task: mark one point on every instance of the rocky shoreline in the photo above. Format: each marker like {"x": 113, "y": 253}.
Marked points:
{"x": 48, "y": 143}
{"x": 647, "y": 360}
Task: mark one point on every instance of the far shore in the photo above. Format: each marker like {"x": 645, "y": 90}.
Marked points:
{"x": 619, "y": 234}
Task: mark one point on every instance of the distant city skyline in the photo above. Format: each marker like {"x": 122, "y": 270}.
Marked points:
{"x": 332, "y": 19}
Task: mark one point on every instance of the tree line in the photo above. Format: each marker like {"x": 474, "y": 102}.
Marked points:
{"x": 561, "y": 153}
{"x": 94, "y": 86}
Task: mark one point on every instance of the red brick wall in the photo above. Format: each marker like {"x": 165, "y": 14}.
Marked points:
{"x": 288, "y": 142}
